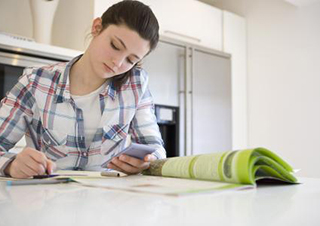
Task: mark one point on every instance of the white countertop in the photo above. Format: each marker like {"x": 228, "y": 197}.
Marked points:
{"x": 72, "y": 204}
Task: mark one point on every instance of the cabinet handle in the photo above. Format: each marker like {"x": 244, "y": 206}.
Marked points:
{"x": 182, "y": 35}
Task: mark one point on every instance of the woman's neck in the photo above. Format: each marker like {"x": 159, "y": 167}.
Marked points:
{"x": 82, "y": 79}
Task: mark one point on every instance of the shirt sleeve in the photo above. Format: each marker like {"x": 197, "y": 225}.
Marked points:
{"x": 144, "y": 128}
{"x": 17, "y": 103}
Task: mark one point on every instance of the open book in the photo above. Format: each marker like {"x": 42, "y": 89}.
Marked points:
{"x": 239, "y": 167}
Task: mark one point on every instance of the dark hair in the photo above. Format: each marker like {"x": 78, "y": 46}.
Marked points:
{"x": 138, "y": 17}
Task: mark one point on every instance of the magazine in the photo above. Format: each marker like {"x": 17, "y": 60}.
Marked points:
{"x": 239, "y": 167}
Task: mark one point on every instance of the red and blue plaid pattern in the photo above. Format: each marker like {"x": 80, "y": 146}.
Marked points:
{"x": 43, "y": 95}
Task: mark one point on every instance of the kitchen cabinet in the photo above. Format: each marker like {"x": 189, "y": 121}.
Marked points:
{"x": 211, "y": 102}
{"x": 166, "y": 69}
{"x": 187, "y": 20}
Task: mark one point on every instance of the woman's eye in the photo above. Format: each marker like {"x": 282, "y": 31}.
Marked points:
{"x": 114, "y": 47}
{"x": 129, "y": 61}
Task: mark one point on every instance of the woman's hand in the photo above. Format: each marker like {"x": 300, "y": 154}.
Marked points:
{"x": 131, "y": 165}
{"x": 30, "y": 162}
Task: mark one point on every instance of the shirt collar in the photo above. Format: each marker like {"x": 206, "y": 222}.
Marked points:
{"x": 63, "y": 88}
{"x": 110, "y": 90}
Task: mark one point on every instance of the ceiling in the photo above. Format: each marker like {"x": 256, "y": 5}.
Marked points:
{"x": 301, "y": 2}
{"x": 293, "y": 2}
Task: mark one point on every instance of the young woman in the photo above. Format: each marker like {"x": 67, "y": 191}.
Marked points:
{"x": 100, "y": 96}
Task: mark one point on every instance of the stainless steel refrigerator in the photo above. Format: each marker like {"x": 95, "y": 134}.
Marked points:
{"x": 198, "y": 81}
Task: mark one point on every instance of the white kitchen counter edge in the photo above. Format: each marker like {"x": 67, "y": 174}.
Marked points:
{"x": 16, "y": 45}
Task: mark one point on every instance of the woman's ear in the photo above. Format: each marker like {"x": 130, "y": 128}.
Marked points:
{"x": 96, "y": 26}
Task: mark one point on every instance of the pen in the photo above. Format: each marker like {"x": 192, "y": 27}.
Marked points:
{"x": 33, "y": 137}
{"x": 38, "y": 181}
{"x": 110, "y": 174}
{"x": 44, "y": 176}
{"x": 56, "y": 175}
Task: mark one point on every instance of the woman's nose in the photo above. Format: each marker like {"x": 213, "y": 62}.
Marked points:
{"x": 118, "y": 61}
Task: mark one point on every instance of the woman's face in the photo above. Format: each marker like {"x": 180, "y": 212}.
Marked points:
{"x": 116, "y": 50}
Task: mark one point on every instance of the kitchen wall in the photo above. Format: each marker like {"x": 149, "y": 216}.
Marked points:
{"x": 16, "y": 20}
{"x": 75, "y": 24}
{"x": 283, "y": 78}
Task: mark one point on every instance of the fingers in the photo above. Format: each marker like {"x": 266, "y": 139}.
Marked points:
{"x": 150, "y": 158}
{"x": 18, "y": 170}
{"x": 30, "y": 162}
{"x": 113, "y": 166}
{"x": 119, "y": 165}
{"x": 17, "y": 173}
{"x": 51, "y": 166}
{"x": 33, "y": 167}
{"x": 129, "y": 165}
{"x": 38, "y": 156}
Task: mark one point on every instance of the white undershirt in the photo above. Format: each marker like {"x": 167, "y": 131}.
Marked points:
{"x": 90, "y": 106}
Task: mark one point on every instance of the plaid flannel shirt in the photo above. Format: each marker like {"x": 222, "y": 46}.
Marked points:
{"x": 43, "y": 95}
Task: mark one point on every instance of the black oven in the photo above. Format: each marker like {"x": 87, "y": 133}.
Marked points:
{"x": 168, "y": 121}
{"x": 8, "y": 77}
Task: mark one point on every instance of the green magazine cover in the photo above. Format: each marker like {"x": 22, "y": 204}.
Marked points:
{"x": 239, "y": 167}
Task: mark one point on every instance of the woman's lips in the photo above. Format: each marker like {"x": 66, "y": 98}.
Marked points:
{"x": 108, "y": 69}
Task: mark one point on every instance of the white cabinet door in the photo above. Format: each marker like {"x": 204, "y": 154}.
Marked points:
{"x": 166, "y": 69}
{"x": 189, "y": 20}
{"x": 211, "y": 103}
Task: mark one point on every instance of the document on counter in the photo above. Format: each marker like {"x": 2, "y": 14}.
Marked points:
{"x": 62, "y": 176}
{"x": 161, "y": 185}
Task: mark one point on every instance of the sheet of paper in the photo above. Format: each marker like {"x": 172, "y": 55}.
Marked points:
{"x": 76, "y": 174}
{"x": 161, "y": 185}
